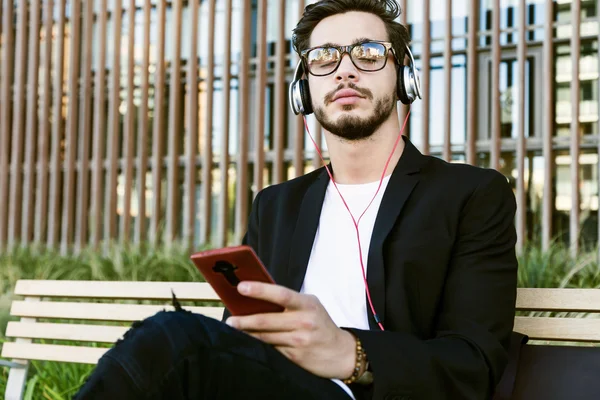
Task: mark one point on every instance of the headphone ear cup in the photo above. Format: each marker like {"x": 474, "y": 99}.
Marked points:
{"x": 305, "y": 94}
{"x": 401, "y": 87}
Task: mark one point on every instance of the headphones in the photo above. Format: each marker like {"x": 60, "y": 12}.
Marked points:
{"x": 408, "y": 87}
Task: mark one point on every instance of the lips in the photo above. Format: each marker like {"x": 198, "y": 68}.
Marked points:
{"x": 345, "y": 93}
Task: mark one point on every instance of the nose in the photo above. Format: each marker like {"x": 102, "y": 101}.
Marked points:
{"x": 346, "y": 70}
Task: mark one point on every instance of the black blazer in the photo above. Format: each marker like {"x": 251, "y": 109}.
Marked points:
{"x": 441, "y": 269}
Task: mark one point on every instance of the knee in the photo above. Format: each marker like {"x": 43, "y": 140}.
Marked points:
{"x": 179, "y": 330}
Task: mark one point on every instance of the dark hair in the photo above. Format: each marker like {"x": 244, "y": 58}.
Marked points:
{"x": 387, "y": 10}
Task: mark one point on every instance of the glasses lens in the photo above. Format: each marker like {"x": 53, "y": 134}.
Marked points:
{"x": 322, "y": 60}
{"x": 369, "y": 56}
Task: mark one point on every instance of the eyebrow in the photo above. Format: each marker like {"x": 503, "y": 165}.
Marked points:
{"x": 356, "y": 41}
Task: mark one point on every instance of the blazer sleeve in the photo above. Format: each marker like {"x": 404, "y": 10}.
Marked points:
{"x": 467, "y": 356}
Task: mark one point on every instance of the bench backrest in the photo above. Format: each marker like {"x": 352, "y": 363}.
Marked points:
{"x": 92, "y": 308}
{"x": 568, "y": 315}
{"x": 97, "y": 312}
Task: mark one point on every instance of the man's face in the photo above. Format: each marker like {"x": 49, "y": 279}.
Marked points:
{"x": 356, "y": 117}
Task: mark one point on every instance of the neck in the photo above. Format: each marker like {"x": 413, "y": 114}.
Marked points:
{"x": 363, "y": 161}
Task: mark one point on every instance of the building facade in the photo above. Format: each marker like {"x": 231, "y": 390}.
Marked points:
{"x": 145, "y": 120}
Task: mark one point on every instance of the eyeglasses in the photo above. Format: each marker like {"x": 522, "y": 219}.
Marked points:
{"x": 367, "y": 56}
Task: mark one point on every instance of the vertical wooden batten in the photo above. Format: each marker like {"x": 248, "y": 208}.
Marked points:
{"x": 241, "y": 204}
{"x": 299, "y": 125}
{"x": 547, "y": 201}
{"x": 402, "y": 109}
{"x": 426, "y": 74}
{"x": 18, "y": 124}
{"x": 207, "y": 153}
{"x": 280, "y": 67}
{"x": 598, "y": 111}
{"x": 317, "y": 133}
{"x": 472, "y": 92}
{"x": 521, "y": 59}
{"x": 5, "y": 111}
{"x": 41, "y": 197}
{"x": 158, "y": 126}
{"x": 99, "y": 131}
{"x": 189, "y": 217}
{"x": 33, "y": 66}
{"x": 495, "y": 94}
{"x": 575, "y": 134}
{"x": 57, "y": 131}
{"x": 114, "y": 128}
{"x": 129, "y": 128}
{"x": 447, "y": 152}
{"x": 222, "y": 238}
{"x": 68, "y": 202}
{"x": 140, "y": 233}
{"x": 174, "y": 130}
{"x": 85, "y": 131}
{"x": 261, "y": 74}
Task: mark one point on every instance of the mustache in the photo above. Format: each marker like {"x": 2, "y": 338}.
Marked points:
{"x": 363, "y": 91}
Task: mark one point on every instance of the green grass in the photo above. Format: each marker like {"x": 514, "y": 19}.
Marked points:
{"x": 57, "y": 381}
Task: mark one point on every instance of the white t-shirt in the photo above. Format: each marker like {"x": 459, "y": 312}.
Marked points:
{"x": 334, "y": 273}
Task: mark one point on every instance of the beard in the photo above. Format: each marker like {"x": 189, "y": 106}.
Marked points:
{"x": 354, "y": 128}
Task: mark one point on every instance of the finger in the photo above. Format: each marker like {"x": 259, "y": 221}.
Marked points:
{"x": 272, "y": 322}
{"x": 277, "y": 294}
{"x": 283, "y": 340}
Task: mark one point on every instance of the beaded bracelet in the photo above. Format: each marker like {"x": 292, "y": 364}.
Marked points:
{"x": 360, "y": 355}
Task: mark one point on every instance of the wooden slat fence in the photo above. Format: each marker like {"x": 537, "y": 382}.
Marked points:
{"x": 147, "y": 120}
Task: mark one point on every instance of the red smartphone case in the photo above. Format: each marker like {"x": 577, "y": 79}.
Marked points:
{"x": 224, "y": 268}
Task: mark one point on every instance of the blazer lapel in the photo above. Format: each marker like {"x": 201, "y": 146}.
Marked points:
{"x": 401, "y": 184}
{"x": 306, "y": 229}
{"x": 399, "y": 188}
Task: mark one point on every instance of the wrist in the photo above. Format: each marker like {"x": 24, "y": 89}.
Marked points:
{"x": 349, "y": 355}
{"x": 357, "y": 364}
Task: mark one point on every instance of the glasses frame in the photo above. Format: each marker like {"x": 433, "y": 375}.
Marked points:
{"x": 348, "y": 49}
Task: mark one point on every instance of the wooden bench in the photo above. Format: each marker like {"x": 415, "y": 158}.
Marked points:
{"x": 104, "y": 304}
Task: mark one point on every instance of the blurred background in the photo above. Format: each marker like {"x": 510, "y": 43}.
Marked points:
{"x": 153, "y": 120}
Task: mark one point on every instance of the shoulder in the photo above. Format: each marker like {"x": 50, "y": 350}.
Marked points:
{"x": 464, "y": 177}
{"x": 290, "y": 191}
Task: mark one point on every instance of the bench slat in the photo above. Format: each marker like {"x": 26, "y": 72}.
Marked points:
{"x": 52, "y": 352}
{"x": 560, "y": 329}
{"x": 75, "y": 332}
{"x": 116, "y": 290}
{"x": 99, "y": 311}
{"x": 575, "y": 300}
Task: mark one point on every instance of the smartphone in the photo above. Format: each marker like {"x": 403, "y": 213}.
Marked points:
{"x": 225, "y": 268}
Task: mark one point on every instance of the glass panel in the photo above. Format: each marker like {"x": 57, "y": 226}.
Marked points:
{"x": 414, "y": 18}
{"x": 437, "y": 96}
{"x": 588, "y": 175}
{"x": 509, "y": 92}
{"x": 534, "y": 189}
{"x": 563, "y": 16}
{"x": 588, "y": 80}
{"x": 459, "y": 99}
{"x": 509, "y": 19}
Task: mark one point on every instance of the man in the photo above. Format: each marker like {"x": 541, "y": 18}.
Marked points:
{"x": 434, "y": 317}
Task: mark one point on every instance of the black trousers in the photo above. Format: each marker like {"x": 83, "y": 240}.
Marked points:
{"x": 179, "y": 355}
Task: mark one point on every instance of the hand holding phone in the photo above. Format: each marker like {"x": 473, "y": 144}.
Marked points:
{"x": 225, "y": 268}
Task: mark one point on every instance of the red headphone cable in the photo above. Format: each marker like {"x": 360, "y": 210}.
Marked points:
{"x": 356, "y": 222}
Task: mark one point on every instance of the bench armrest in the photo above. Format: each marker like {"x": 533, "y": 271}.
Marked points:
{"x": 11, "y": 364}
